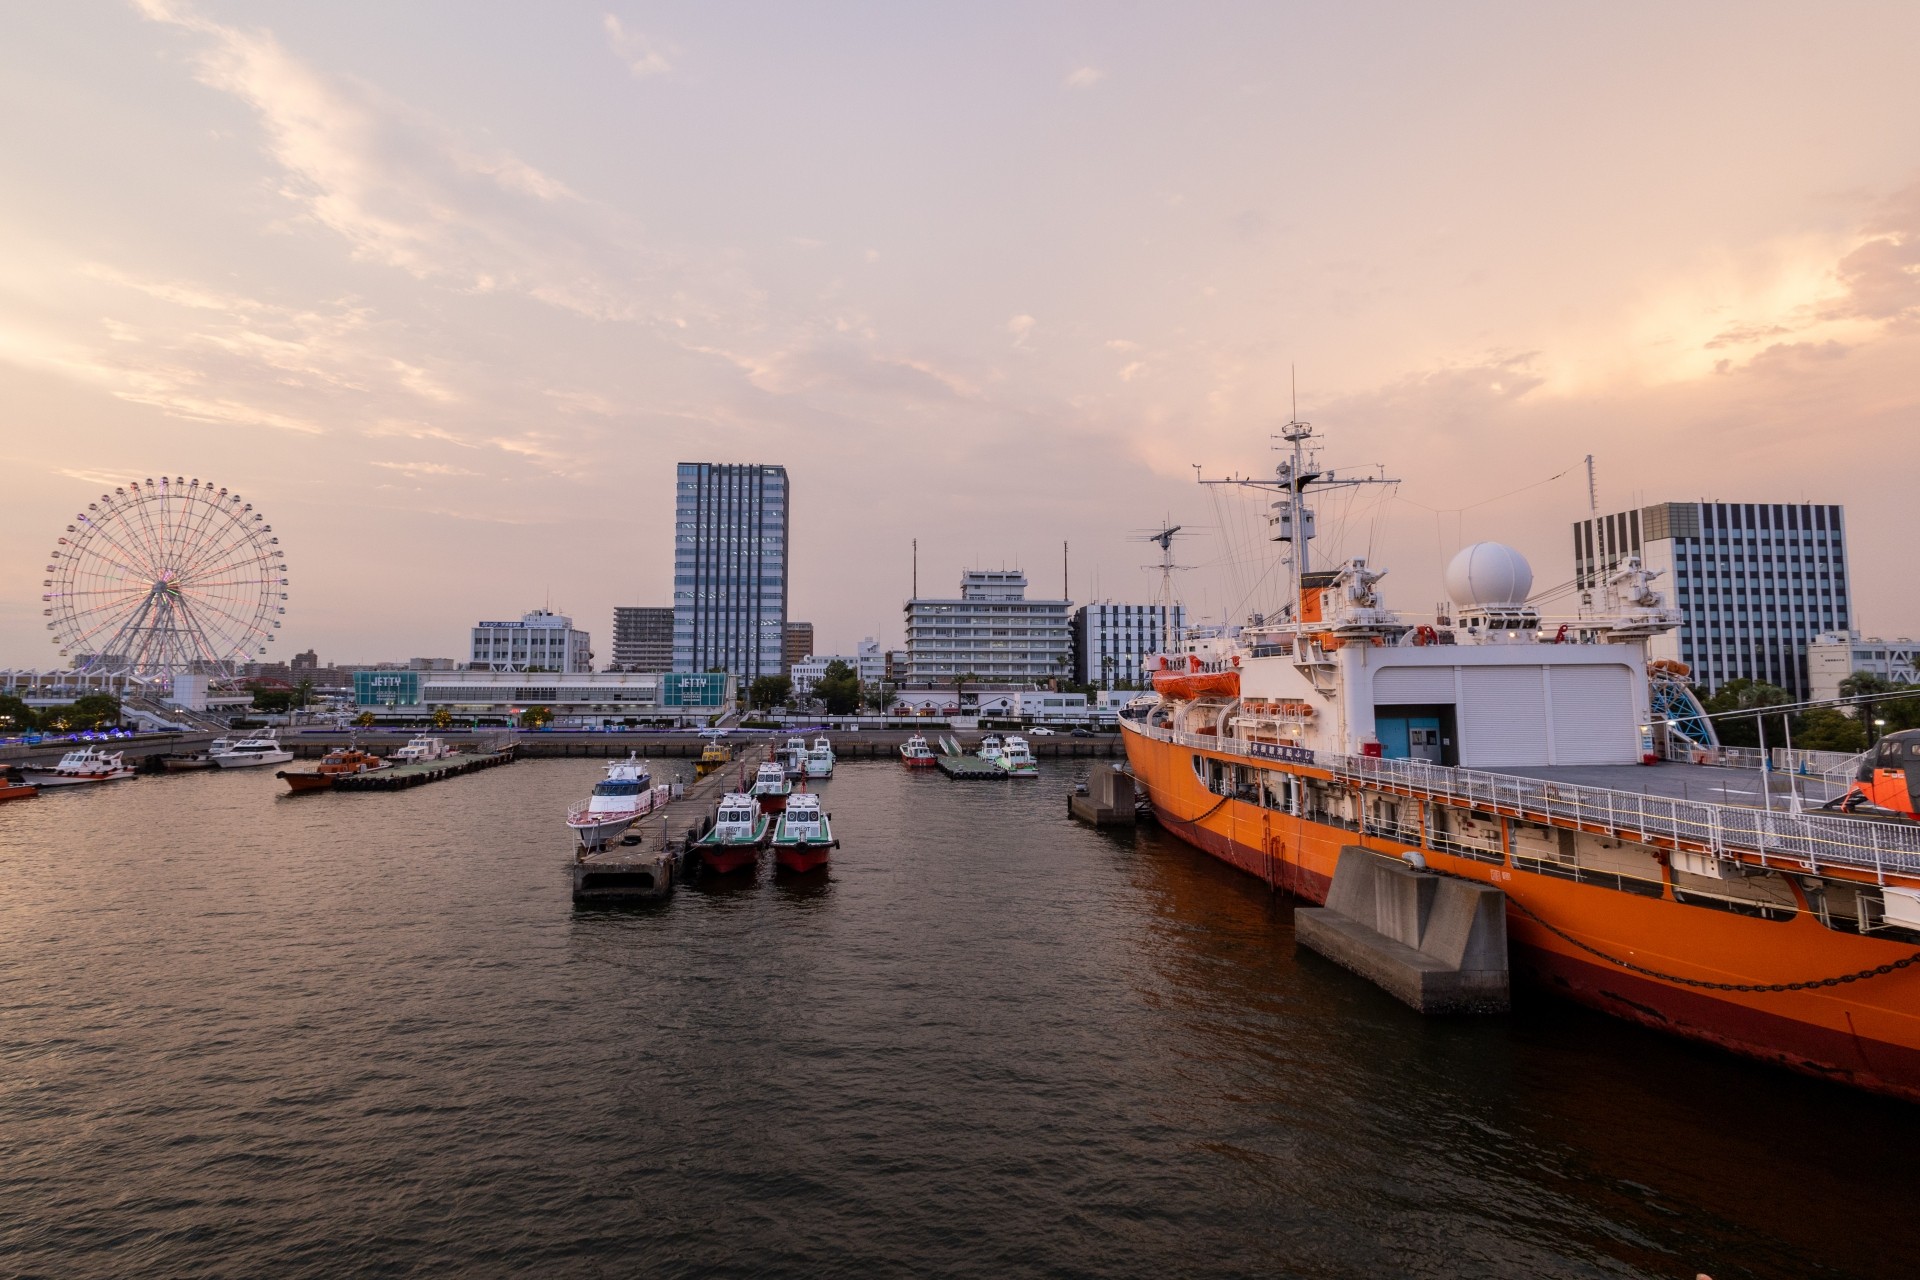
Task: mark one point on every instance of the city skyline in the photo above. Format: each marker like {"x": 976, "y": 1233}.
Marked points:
{"x": 448, "y": 294}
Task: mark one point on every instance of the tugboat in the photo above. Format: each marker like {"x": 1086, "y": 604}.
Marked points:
{"x": 740, "y": 829}
{"x": 714, "y": 757}
{"x": 770, "y": 787}
{"x": 820, "y": 759}
{"x": 340, "y": 760}
{"x": 622, "y": 798}
{"x": 262, "y": 748}
{"x": 1016, "y": 758}
{"x": 88, "y": 764}
{"x": 11, "y": 788}
{"x": 804, "y": 837}
{"x": 915, "y": 753}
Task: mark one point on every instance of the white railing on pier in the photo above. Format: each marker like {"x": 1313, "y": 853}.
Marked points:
{"x": 1807, "y": 841}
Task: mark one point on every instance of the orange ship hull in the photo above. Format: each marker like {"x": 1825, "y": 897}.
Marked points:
{"x": 1197, "y": 684}
{"x": 1863, "y": 1033}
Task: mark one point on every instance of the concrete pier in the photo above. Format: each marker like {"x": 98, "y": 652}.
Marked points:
{"x": 1433, "y": 942}
{"x": 1109, "y": 800}
{"x": 650, "y": 869}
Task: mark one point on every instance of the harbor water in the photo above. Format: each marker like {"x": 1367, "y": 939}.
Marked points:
{"x": 247, "y": 1034}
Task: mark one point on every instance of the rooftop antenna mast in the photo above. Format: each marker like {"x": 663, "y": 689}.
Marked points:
{"x": 1292, "y": 518}
{"x": 1593, "y": 494}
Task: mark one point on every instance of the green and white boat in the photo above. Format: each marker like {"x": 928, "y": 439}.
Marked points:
{"x": 739, "y": 832}
{"x": 804, "y": 837}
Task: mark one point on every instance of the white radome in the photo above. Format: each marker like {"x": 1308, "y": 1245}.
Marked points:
{"x": 1489, "y": 573}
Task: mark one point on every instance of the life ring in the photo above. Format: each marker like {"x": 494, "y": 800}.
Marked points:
{"x": 1425, "y": 635}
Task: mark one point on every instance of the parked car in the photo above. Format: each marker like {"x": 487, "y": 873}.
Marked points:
{"x": 1082, "y": 733}
{"x": 1040, "y": 731}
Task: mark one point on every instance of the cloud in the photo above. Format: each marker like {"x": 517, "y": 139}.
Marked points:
{"x": 1021, "y": 327}
{"x": 424, "y": 468}
{"x": 1085, "y": 78}
{"x": 639, "y": 53}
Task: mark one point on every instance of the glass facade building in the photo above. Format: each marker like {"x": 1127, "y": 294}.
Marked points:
{"x": 1111, "y": 642}
{"x": 730, "y": 568}
{"x": 1754, "y": 581}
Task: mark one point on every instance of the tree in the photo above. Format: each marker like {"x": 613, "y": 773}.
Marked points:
{"x": 1827, "y": 729}
{"x": 16, "y": 716}
{"x": 364, "y": 719}
{"x": 303, "y": 693}
{"x": 536, "y": 717}
{"x": 878, "y": 696}
{"x": 442, "y": 718}
{"x": 95, "y": 711}
{"x": 768, "y": 692}
{"x": 839, "y": 688}
{"x": 272, "y": 700}
{"x": 1877, "y": 698}
{"x": 1741, "y": 694}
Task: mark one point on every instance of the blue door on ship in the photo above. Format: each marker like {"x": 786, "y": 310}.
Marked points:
{"x": 1409, "y": 737}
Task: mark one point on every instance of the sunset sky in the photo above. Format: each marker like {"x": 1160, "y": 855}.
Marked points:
{"x": 446, "y": 289}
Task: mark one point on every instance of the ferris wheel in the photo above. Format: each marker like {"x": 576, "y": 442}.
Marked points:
{"x": 163, "y": 578}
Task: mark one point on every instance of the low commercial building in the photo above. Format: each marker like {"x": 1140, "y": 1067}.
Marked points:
{"x": 576, "y": 698}
{"x": 1832, "y": 656}
{"x": 548, "y": 641}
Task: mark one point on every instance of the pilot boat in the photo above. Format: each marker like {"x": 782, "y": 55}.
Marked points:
{"x": 1016, "y": 758}
{"x": 716, "y": 755}
{"x": 337, "y": 762}
{"x": 990, "y": 748}
{"x": 739, "y": 831}
{"x": 11, "y": 788}
{"x": 804, "y": 837}
{"x": 820, "y": 759}
{"x": 916, "y": 754}
{"x": 423, "y": 749}
{"x": 620, "y": 799}
{"x": 770, "y": 787}
{"x": 251, "y": 752}
{"x": 88, "y": 764}
{"x": 793, "y": 757}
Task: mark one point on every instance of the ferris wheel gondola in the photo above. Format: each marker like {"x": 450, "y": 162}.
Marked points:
{"x": 164, "y": 578}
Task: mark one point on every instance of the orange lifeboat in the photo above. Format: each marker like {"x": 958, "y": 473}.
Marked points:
{"x": 1197, "y": 680}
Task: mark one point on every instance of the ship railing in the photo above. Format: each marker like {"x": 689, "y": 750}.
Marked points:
{"x": 1795, "y": 841}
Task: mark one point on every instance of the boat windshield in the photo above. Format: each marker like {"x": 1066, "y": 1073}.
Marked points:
{"x": 617, "y": 789}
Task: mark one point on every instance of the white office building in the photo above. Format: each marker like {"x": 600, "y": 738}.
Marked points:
{"x": 577, "y": 699}
{"x": 1755, "y": 582}
{"x": 1111, "y": 642}
{"x": 990, "y": 631}
{"x": 870, "y": 664}
{"x": 1835, "y": 655}
{"x": 540, "y": 639}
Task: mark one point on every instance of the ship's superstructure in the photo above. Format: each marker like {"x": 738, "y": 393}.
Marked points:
{"x": 1496, "y": 743}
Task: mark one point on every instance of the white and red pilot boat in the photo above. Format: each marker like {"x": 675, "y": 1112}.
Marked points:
{"x": 88, "y": 764}
{"x": 622, "y": 798}
{"x": 770, "y": 787}
{"x": 915, "y": 753}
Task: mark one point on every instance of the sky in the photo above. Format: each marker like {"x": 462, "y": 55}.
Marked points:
{"x": 447, "y": 289}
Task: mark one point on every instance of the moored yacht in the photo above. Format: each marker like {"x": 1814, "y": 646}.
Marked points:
{"x": 620, "y": 799}
{"x": 252, "y": 751}
{"x": 804, "y": 837}
{"x": 88, "y": 764}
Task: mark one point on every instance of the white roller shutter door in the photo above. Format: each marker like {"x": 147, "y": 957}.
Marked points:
{"x": 1593, "y": 716}
{"x": 1503, "y": 716}
{"x": 1412, "y": 686}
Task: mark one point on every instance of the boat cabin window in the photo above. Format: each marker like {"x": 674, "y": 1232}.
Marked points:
{"x": 617, "y": 789}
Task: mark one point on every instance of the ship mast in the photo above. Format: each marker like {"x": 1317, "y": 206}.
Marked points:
{"x": 1167, "y": 566}
{"x": 1292, "y": 520}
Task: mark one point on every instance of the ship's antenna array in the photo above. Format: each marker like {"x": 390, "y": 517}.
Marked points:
{"x": 1292, "y": 518}
{"x": 1164, "y": 539}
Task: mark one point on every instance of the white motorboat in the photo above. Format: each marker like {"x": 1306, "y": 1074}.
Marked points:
{"x": 88, "y": 764}
{"x": 793, "y": 757}
{"x": 1016, "y": 758}
{"x": 622, "y": 798}
{"x": 820, "y": 759}
{"x": 989, "y": 748}
{"x": 260, "y": 748}
{"x": 915, "y": 753}
{"x": 421, "y": 749}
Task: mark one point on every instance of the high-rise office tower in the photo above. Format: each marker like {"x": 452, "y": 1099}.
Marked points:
{"x": 1755, "y": 581}
{"x": 798, "y": 646}
{"x": 730, "y": 568}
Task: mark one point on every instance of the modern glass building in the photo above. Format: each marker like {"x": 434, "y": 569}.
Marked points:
{"x": 730, "y": 568}
{"x": 1755, "y": 581}
{"x": 1111, "y": 642}
{"x": 991, "y": 632}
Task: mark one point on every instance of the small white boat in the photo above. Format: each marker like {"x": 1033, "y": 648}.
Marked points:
{"x": 820, "y": 759}
{"x": 1016, "y": 758}
{"x": 916, "y": 754}
{"x": 770, "y": 787}
{"x": 422, "y": 748}
{"x": 989, "y": 748}
{"x": 89, "y": 764}
{"x": 793, "y": 757}
{"x": 261, "y": 748}
{"x": 622, "y": 798}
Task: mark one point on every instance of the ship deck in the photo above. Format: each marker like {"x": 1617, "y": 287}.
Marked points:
{"x": 1715, "y": 784}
